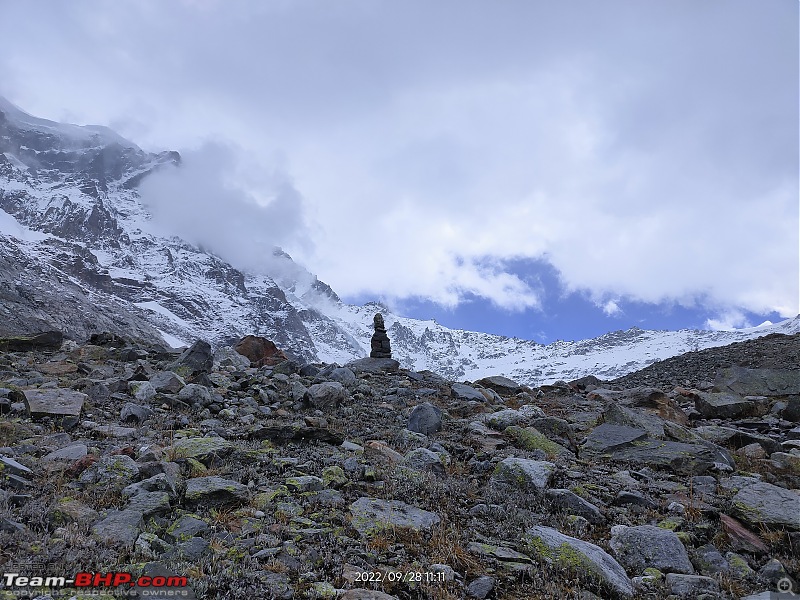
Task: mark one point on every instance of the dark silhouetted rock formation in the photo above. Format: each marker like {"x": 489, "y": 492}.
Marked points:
{"x": 381, "y": 347}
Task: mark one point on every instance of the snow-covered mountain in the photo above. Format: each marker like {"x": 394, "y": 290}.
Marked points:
{"x": 78, "y": 253}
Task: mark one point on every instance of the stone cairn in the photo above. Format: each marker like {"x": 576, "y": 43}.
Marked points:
{"x": 381, "y": 347}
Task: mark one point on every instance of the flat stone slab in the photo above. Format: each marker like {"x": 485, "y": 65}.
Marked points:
{"x": 373, "y": 365}
{"x": 758, "y": 382}
{"x": 462, "y": 391}
{"x": 54, "y": 403}
{"x": 72, "y": 452}
{"x": 48, "y": 339}
{"x": 500, "y": 384}
{"x": 767, "y": 504}
{"x": 372, "y": 515}
{"x": 723, "y": 406}
{"x": 553, "y": 547}
{"x": 633, "y": 445}
{"x": 607, "y": 438}
{"x": 10, "y": 465}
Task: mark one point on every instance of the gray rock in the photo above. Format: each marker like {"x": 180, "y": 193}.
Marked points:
{"x": 160, "y": 482}
{"x": 150, "y": 503}
{"x": 327, "y": 395}
{"x": 305, "y": 483}
{"x": 709, "y": 561}
{"x": 9, "y": 465}
{"x": 634, "y": 446}
{"x": 192, "y": 548}
{"x": 767, "y": 504}
{"x": 142, "y": 391}
{"x": 371, "y": 515}
{"x": 196, "y": 395}
{"x": 226, "y": 356}
{"x": 98, "y": 393}
{"x": 773, "y": 571}
{"x": 151, "y": 546}
{"x": 374, "y": 365}
{"x": 616, "y": 414}
{"x": 68, "y": 510}
{"x": 608, "y": 438}
{"x": 185, "y": 527}
{"x": 343, "y": 375}
{"x": 57, "y": 402}
{"x": 792, "y": 410}
{"x": 364, "y": 594}
{"x": 553, "y": 547}
{"x": 575, "y": 505}
{"x": 503, "y": 419}
{"x": 501, "y": 385}
{"x": 523, "y": 473}
{"x": 462, "y": 391}
{"x": 114, "y": 471}
{"x": 425, "y": 418}
{"x": 119, "y": 527}
{"x": 736, "y": 438}
{"x": 647, "y": 546}
{"x": 758, "y": 382}
{"x": 167, "y": 382}
{"x": 194, "y": 360}
{"x": 723, "y": 406}
{"x": 207, "y": 450}
{"x": 481, "y": 587}
{"x": 72, "y": 452}
{"x": 691, "y": 586}
{"x": 423, "y": 459}
{"x": 134, "y": 412}
{"x": 215, "y": 491}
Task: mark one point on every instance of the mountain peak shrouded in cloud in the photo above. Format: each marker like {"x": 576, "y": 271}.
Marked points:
{"x": 596, "y": 165}
{"x": 218, "y": 200}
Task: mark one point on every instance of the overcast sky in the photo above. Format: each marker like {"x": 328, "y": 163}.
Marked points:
{"x": 541, "y": 169}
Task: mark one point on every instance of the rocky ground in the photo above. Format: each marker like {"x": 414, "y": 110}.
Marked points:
{"x": 368, "y": 481}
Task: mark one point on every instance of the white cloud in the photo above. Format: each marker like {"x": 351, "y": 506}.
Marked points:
{"x": 216, "y": 200}
{"x": 647, "y": 151}
{"x": 729, "y": 321}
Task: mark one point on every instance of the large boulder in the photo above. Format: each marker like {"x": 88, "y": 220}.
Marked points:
{"x": 553, "y": 547}
{"x": 723, "y": 406}
{"x": 26, "y": 343}
{"x": 758, "y": 382}
{"x": 194, "y": 360}
{"x": 260, "y": 351}
{"x": 632, "y": 445}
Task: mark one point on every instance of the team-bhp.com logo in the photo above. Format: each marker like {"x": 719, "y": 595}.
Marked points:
{"x": 87, "y": 581}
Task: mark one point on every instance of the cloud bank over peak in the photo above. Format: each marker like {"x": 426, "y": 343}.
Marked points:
{"x": 219, "y": 200}
{"x": 647, "y": 152}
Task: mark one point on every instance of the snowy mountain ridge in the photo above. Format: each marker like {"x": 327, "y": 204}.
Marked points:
{"x": 78, "y": 252}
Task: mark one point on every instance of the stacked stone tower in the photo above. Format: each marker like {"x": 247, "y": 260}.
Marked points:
{"x": 381, "y": 347}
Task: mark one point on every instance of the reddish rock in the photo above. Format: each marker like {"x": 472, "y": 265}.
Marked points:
{"x": 261, "y": 351}
{"x": 741, "y": 538}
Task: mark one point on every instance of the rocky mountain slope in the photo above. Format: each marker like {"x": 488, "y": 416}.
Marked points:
{"x": 200, "y": 476}
{"x": 78, "y": 254}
